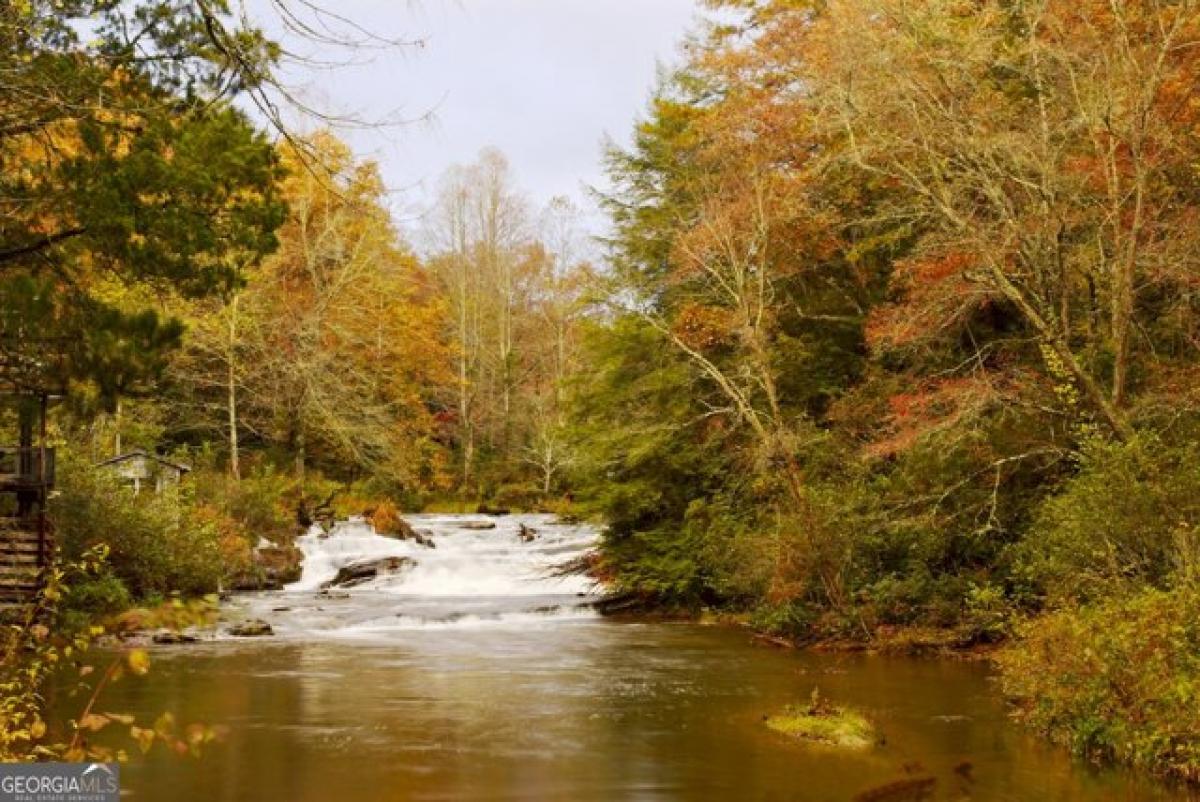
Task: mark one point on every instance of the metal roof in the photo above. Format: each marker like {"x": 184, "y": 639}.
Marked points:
{"x": 138, "y": 452}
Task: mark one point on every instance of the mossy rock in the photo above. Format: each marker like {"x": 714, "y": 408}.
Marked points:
{"x": 826, "y": 724}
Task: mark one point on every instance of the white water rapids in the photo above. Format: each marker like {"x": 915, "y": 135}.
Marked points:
{"x": 469, "y": 579}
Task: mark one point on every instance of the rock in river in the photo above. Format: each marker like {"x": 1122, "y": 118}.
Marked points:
{"x": 251, "y": 628}
{"x": 272, "y": 568}
{"x": 477, "y": 525}
{"x": 366, "y": 570}
{"x": 392, "y": 525}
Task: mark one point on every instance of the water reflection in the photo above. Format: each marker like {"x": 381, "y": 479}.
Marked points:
{"x": 585, "y": 711}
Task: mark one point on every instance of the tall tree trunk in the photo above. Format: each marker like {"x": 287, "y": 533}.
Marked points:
{"x": 1050, "y": 336}
{"x": 1122, "y": 302}
{"x": 117, "y": 427}
{"x": 231, "y": 377}
{"x": 467, "y": 432}
{"x": 300, "y": 457}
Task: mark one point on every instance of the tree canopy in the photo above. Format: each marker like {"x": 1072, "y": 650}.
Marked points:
{"x": 123, "y": 160}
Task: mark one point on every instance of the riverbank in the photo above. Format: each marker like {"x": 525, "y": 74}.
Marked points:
{"x": 1111, "y": 683}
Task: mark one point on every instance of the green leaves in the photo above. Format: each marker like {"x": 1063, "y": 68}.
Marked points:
{"x": 181, "y": 202}
{"x": 1116, "y": 679}
{"x": 130, "y": 174}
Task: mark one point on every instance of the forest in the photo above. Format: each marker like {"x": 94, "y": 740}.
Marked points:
{"x": 891, "y": 340}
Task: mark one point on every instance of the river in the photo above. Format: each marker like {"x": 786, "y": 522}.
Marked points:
{"x": 478, "y": 675}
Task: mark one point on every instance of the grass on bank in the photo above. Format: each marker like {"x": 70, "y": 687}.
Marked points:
{"x": 1115, "y": 680}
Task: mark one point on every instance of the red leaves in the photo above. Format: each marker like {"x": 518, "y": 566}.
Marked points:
{"x": 934, "y": 405}
{"x": 935, "y": 295}
{"x": 935, "y": 269}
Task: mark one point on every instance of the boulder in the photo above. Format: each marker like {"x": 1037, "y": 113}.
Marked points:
{"x": 251, "y": 628}
{"x": 392, "y": 525}
{"x": 272, "y": 568}
{"x": 366, "y": 570}
{"x": 477, "y": 525}
{"x": 321, "y": 513}
{"x": 619, "y": 603}
{"x": 527, "y": 534}
{"x": 171, "y": 636}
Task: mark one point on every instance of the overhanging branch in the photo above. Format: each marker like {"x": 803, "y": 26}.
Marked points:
{"x": 11, "y": 254}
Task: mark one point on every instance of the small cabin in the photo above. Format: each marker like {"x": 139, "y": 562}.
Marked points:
{"x": 138, "y": 469}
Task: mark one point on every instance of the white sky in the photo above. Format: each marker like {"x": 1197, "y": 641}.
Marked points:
{"x": 542, "y": 80}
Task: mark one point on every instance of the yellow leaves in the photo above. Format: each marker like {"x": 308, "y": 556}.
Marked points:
{"x": 93, "y": 722}
{"x": 138, "y": 661}
{"x": 37, "y": 729}
{"x": 143, "y": 737}
{"x": 164, "y": 725}
{"x": 132, "y": 620}
{"x": 197, "y": 734}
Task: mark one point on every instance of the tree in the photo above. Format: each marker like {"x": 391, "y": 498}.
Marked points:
{"x": 907, "y": 262}
{"x": 341, "y": 357}
{"x": 1042, "y": 150}
{"x": 556, "y": 309}
{"x": 122, "y": 158}
{"x": 478, "y": 232}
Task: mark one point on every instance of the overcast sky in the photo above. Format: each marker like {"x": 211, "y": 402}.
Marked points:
{"x": 542, "y": 80}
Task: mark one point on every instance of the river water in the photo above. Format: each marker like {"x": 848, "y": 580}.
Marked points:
{"x": 477, "y": 675}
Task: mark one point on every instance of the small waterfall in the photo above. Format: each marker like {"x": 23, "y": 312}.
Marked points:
{"x": 472, "y": 577}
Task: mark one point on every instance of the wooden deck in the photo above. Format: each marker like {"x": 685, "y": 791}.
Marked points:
{"x": 26, "y": 476}
{"x": 27, "y": 385}
{"x": 21, "y": 563}
{"x": 22, "y": 469}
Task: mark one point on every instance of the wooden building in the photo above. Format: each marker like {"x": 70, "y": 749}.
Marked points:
{"x": 139, "y": 469}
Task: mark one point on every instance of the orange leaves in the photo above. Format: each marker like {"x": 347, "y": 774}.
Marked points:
{"x": 936, "y": 268}
{"x": 935, "y": 296}
{"x": 347, "y": 339}
{"x": 934, "y": 405}
{"x": 703, "y": 327}
{"x": 233, "y": 539}
{"x": 385, "y": 518}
